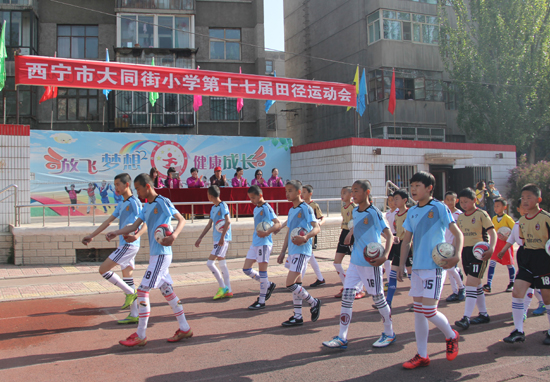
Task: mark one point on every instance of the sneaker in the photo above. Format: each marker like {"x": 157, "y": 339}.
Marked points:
{"x": 540, "y": 310}
{"x": 509, "y": 288}
{"x": 257, "y": 305}
{"x": 386, "y": 287}
{"x": 524, "y": 316}
{"x": 317, "y": 283}
{"x": 128, "y": 320}
{"x": 293, "y": 321}
{"x": 384, "y": 341}
{"x": 411, "y": 308}
{"x": 515, "y": 336}
{"x": 180, "y": 334}
{"x": 481, "y": 319}
{"x": 270, "y": 290}
{"x": 221, "y": 293}
{"x": 453, "y": 297}
{"x": 133, "y": 340}
{"x": 336, "y": 343}
{"x": 487, "y": 288}
{"x": 360, "y": 295}
{"x": 416, "y": 361}
{"x": 464, "y": 323}
{"x": 315, "y": 311}
{"x": 547, "y": 339}
{"x": 339, "y": 294}
{"x": 462, "y": 294}
{"x": 228, "y": 294}
{"x": 130, "y": 298}
{"x": 452, "y": 346}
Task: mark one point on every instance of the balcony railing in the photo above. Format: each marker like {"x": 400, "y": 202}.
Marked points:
{"x": 181, "y": 5}
{"x": 18, "y": 2}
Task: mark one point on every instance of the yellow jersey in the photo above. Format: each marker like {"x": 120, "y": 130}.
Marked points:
{"x": 316, "y": 209}
{"x": 503, "y": 221}
{"x": 535, "y": 231}
{"x": 399, "y": 220}
{"x": 346, "y": 212}
{"x": 474, "y": 227}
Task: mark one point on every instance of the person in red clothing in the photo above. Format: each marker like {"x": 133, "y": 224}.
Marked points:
{"x": 194, "y": 181}
{"x": 173, "y": 180}
{"x": 72, "y": 194}
{"x": 239, "y": 180}
{"x": 275, "y": 180}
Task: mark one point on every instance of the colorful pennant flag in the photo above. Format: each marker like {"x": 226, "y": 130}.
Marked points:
{"x": 269, "y": 102}
{"x": 392, "y": 103}
{"x": 106, "y": 91}
{"x": 240, "y": 101}
{"x": 153, "y": 96}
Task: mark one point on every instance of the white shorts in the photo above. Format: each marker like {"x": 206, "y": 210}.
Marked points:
{"x": 157, "y": 272}
{"x": 371, "y": 277}
{"x": 260, "y": 254}
{"x": 220, "y": 251}
{"x": 297, "y": 263}
{"x": 427, "y": 283}
{"x": 125, "y": 256}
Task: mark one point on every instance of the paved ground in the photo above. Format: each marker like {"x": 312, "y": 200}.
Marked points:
{"x": 48, "y": 338}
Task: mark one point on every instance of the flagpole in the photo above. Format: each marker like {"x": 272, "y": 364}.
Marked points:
{"x": 239, "y": 121}
{"x": 151, "y": 122}
{"x": 51, "y": 121}
{"x": 197, "y": 121}
{"x": 4, "y": 110}
{"x": 103, "y": 116}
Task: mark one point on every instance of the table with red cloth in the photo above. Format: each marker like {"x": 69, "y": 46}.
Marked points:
{"x": 227, "y": 194}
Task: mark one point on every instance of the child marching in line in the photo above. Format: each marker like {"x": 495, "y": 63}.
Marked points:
{"x": 127, "y": 212}
{"x": 307, "y": 193}
{"x": 455, "y": 274}
{"x": 262, "y": 244}
{"x": 157, "y": 211}
{"x": 219, "y": 214}
{"x": 390, "y": 217}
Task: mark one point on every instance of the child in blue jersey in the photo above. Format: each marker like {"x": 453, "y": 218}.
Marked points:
{"x": 299, "y": 250}
{"x": 261, "y": 247}
{"x": 425, "y": 226}
{"x": 219, "y": 214}
{"x": 157, "y": 211}
{"x": 368, "y": 227}
{"x": 126, "y": 212}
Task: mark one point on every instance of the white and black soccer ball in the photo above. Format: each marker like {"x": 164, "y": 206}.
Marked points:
{"x": 505, "y": 231}
{"x": 298, "y": 231}
{"x": 441, "y": 252}
{"x": 162, "y": 231}
{"x": 263, "y": 226}
{"x": 480, "y": 249}
{"x": 373, "y": 251}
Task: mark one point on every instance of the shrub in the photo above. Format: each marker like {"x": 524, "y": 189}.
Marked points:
{"x": 538, "y": 173}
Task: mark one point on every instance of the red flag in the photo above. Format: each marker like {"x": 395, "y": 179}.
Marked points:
{"x": 392, "y": 103}
{"x": 240, "y": 101}
{"x": 51, "y": 92}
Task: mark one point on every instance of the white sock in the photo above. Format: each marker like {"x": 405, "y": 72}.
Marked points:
{"x": 538, "y": 295}
{"x": 421, "y": 330}
{"x": 252, "y": 274}
{"x": 470, "y": 303}
{"x": 527, "y": 300}
{"x": 297, "y": 302}
{"x": 456, "y": 282}
{"x": 177, "y": 308}
{"x": 315, "y": 266}
{"x": 480, "y": 301}
{"x": 304, "y": 295}
{"x": 385, "y": 312}
{"x": 216, "y": 272}
{"x": 264, "y": 286}
{"x": 225, "y": 273}
{"x": 348, "y": 297}
{"x": 517, "y": 313}
{"x": 340, "y": 271}
{"x": 144, "y": 312}
{"x": 438, "y": 319}
{"x": 134, "y": 307}
{"x": 115, "y": 279}
{"x": 387, "y": 267}
{"x": 130, "y": 282}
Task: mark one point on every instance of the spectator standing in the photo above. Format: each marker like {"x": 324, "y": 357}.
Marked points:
{"x": 493, "y": 194}
{"x": 481, "y": 195}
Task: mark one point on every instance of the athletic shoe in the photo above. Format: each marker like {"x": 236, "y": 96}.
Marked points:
{"x": 180, "y": 334}
{"x": 128, "y": 320}
{"x": 547, "y": 339}
{"x": 416, "y": 361}
{"x": 524, "y": 317}
{"x": 133, "y": 340}
{"x": 386, "y": 287}
{"x": 360, "y": 295}
{"x": 464, "y": 323}
{"x": 228, "y": 294}
{"x": 462, "y": 294}
{"x": 453, "y": 297}
{"x": 339, "y": 294}
{"x": 452, "y": 346}
{"x": 221, "y": 293}
{"x": 317, "y": 283}
{"x": 481, "y": 319}
{"x": 515, "y": 336}
{"x": 257, "y": 305}
{"x": 487, "y": 288}
{"x": 315, "y": 311}
{"x": 336, "y": 343}
{"x": 460, "y": 274}
{"x": 270, "y": 290}
{"x": 510, "y": 287}
{"x": 384, "y": 341}
{"x": 314, "y": 246}
{"x": 411, "y": 308}
{"x": 293, "y": 321}
{"x": 540, "y": 310}
{"x": 130, "y": 298}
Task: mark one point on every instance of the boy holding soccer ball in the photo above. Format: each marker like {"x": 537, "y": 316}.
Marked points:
{"x": 157, "y": 211}
{"x": 368, "y": 227}
{"x": 221, "y": 234}
{"x": 261, "y": 247}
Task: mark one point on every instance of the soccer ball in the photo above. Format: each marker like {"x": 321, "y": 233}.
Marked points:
{"x": 350, "y": 224}
{"x": 264, "y": 226}
{"x": 480, "y": 249}
{"x": 504, "y": 231}
{"x": 298, "y": 231}
{"x": 162, "y": 231}
{"x": 547, "y": 246}
{"x": 128, "y": 234}
{"x": 373, "y": 251}
{"x": 442, "y": 251}
{"x": 219, "y": 225}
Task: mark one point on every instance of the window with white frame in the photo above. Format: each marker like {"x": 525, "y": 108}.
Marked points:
{"x": 400, "y": 175}
{"x": 155, "y": 31}
{"x": 225, "y": 44}
{"x": 403, "y": 26}
{"x": 433, "y": 134}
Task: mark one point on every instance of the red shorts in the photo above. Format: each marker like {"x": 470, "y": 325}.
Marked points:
{"x": 508, "y": 258}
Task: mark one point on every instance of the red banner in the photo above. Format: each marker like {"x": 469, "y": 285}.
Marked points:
{"x": 86, "y": 74}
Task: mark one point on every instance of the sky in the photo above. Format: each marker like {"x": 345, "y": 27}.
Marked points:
{"x": 274, "y": 24}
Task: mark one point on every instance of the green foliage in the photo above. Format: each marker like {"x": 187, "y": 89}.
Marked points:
{"x": 280, "y": 143}
{"x": 524, "y": 173}
{"x": 498, "y": 54}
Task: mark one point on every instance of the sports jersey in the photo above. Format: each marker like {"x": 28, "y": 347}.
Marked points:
{"x": 301, "y": 216}
{"x": 316, "y": 210}
{"x": 514, "y": 235}
{"x": 398, "y": 223}
{"x": 367, "y": 228}
{"x": 427, "y": 224}
{"x": 536, "y": 230}
{"x": 390, "y": 217}
{"x": 127, "y": 212}
{"x": 503, "y": 221}
{"x": 159, "y": 211}
{"x": 347, "y": 212}
{"x": 449, "y": 237}
{"x": 218, "y": 213}
{"x": 474, "y": 227}
{"x": 263, "y": 213}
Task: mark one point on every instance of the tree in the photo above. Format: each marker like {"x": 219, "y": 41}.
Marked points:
{"x": 497, "y": 53}
{"x": 523, "y": 174}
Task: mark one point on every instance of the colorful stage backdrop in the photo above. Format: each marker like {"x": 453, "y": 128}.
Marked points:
{"x": 90, "y": 161}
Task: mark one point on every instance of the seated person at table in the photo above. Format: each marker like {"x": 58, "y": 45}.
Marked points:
{"x": 259, "y": 179}
{"x": 173, "y": 180}
{"x": 218, "y": 179}
{"x": 239, "y": 180}
{"x": 275, "y": 181}
{"x": 194, "y": 181}
{"x": 154, "y": 174}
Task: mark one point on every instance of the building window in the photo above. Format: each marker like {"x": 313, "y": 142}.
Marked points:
{"x": 77, "y": 41}
{"x": 268, "y": 67}
{"x": 433, "y": 134}
{"x": 225, "y": 44}
{"x": 27, "y": 99}
{"x": 426, "y": 1}
{"x": 77, "y": 104}
{"x": 155, "y": 4}
{"x": 451, "y": 96}
{"x": 403, "y": 26}
{"x": 154, "y": 31}
{"x": 400, "y": 175}
{"x": 21, "y": 32}
{"x": 223, "y": 109}
{"x": 271, "y": 121}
